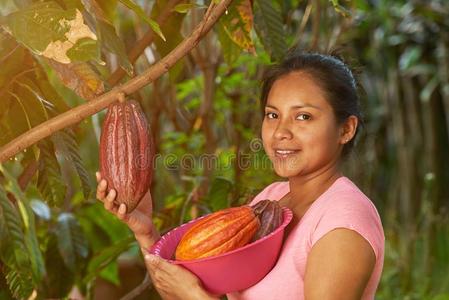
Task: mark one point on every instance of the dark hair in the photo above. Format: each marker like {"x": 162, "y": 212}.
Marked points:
{"x": 333, "y": 76}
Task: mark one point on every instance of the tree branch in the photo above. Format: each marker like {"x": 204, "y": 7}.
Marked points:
{"x": 79, "y": 113}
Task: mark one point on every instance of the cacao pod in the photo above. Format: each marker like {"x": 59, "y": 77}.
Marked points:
{"x": 220, "y": 232}
{"x": 270, "y": 215}
{"x": 126, "y": 152}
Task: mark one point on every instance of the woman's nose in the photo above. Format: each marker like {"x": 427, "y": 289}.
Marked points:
{"x": 283, "y": 132}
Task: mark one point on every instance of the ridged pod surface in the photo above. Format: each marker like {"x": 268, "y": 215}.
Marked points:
{"x": 126, "y": 152}
{"x": 270, "y": 215}
{"x": 218, "y": 233}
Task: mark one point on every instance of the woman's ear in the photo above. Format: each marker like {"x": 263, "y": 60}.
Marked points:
{"x": 348, "y": 129}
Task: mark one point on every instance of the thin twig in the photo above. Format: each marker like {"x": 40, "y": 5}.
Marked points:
{"x": 146, "y": 283}
{"x": 79, "y": 113}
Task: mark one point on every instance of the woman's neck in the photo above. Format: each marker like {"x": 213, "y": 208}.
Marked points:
{"x": 305, "y": 189}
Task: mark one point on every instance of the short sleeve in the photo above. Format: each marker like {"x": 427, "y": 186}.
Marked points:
{"x": 352, "y": 212}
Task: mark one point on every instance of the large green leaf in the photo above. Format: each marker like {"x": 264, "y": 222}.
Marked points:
{"x": 49, "y": 181}
{"x": 72, "y": 243}
{"x": 13, "y": 251}
{"x": 48, "y": 30}
{"x": 269, "y": 27}
{"x": 106, "y": 256}
{"x": 29, "y": 227}
{"x": 13, "y": 247}
{"x": 66, "y": 144}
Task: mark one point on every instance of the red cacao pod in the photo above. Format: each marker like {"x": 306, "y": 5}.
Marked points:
{"x": 270, "y": 215}
{"x": 126, "y": 152}
{"x": 218, "y": 233}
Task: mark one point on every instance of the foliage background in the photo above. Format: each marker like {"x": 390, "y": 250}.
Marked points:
{"x": 205, "y": 120}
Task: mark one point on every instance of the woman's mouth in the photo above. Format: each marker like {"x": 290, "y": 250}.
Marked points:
{"x": 284, "y": 153}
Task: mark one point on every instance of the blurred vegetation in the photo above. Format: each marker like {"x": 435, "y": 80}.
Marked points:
{"x": 206, "y": 120}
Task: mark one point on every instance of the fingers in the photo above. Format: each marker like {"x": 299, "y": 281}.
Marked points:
{"x": 121, "y": 213}
{"x": 98, "y": 176}
{"x": 109, "y": 201}
{"x": 101, "y": 189}
{"x": 157, "y": 265}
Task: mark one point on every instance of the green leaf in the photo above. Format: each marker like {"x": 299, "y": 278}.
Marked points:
{"x": 112, "y": 43}
{"x": 219, "y": 193}
{"x": 96, "y": 214}
{"x": 56, "y": 285}
{"x": 79, "y": 77}
{"x": 340, "y": 8}
{"x": 30, "y": 237}
{"x": 109, "y": 8}
{"x": 238, "y": 23}
{"x": 48, "y": 92}
{"x": 10, "y": 53}
{"x": 19, "y": 283}
{"x": 139, "y": 11}
{"x": 72, "y": 243}
{"x": 106, "y": 256}
{"x": 84, "y": 50}
{"x": 111, "y": 273}
{"x": 38, "y": 25}
{"x": 14, "y": 242}
{"x": 13, "y": 251}
{"x": 269, "y": 28}
{"x": 48, "y": 30}
{"x": 231, "y": 51}
{"x": 66, "y": 144}
{"x": 185, "y": 7}
{"x": 429, "y": 88}
{"x": 49, "y": 182}
{"x": 171, "y": 29}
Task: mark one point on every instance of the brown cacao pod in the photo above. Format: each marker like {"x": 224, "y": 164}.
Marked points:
{"x": 270, "y": 215}
{"x": 126, "y": 152}
{"x": 218, "y": 233}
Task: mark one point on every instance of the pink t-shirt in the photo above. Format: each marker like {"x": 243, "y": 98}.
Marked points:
{"x": 342, "y": 205}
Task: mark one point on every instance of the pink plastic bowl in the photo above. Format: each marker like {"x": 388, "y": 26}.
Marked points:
{"x": 232, "y": 271}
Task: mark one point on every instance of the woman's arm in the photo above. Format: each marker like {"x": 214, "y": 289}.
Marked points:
{"x": 171, "y": 281}
{"x": 338, "y": 266}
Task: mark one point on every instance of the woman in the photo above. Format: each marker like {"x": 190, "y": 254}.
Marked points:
{"x": 334, "y": 247}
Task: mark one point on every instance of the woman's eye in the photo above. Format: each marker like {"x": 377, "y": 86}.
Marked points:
{"x": 271, "y": 115}
{"x": 303, "y": 117}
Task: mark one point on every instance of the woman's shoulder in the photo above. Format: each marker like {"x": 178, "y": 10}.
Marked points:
{"x": 344, "y": 205}
{"x": 346, "y": 194}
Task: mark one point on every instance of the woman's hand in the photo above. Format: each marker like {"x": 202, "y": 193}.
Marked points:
{"x": 139, "y": 220}
{"x": 174, "y": 282}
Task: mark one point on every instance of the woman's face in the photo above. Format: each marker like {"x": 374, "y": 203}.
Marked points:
{"x": 299, "y": 131}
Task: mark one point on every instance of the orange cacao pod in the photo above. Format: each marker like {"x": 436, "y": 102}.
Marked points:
{"x": 270, "y": 215}
{"x": 220, "y": 232}
{"x": 126, "y": 152}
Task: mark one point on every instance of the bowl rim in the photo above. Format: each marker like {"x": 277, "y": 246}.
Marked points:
{"x": 288, "y": 216}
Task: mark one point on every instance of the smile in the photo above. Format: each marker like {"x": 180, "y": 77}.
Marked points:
{"x": 285, "y": 153}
